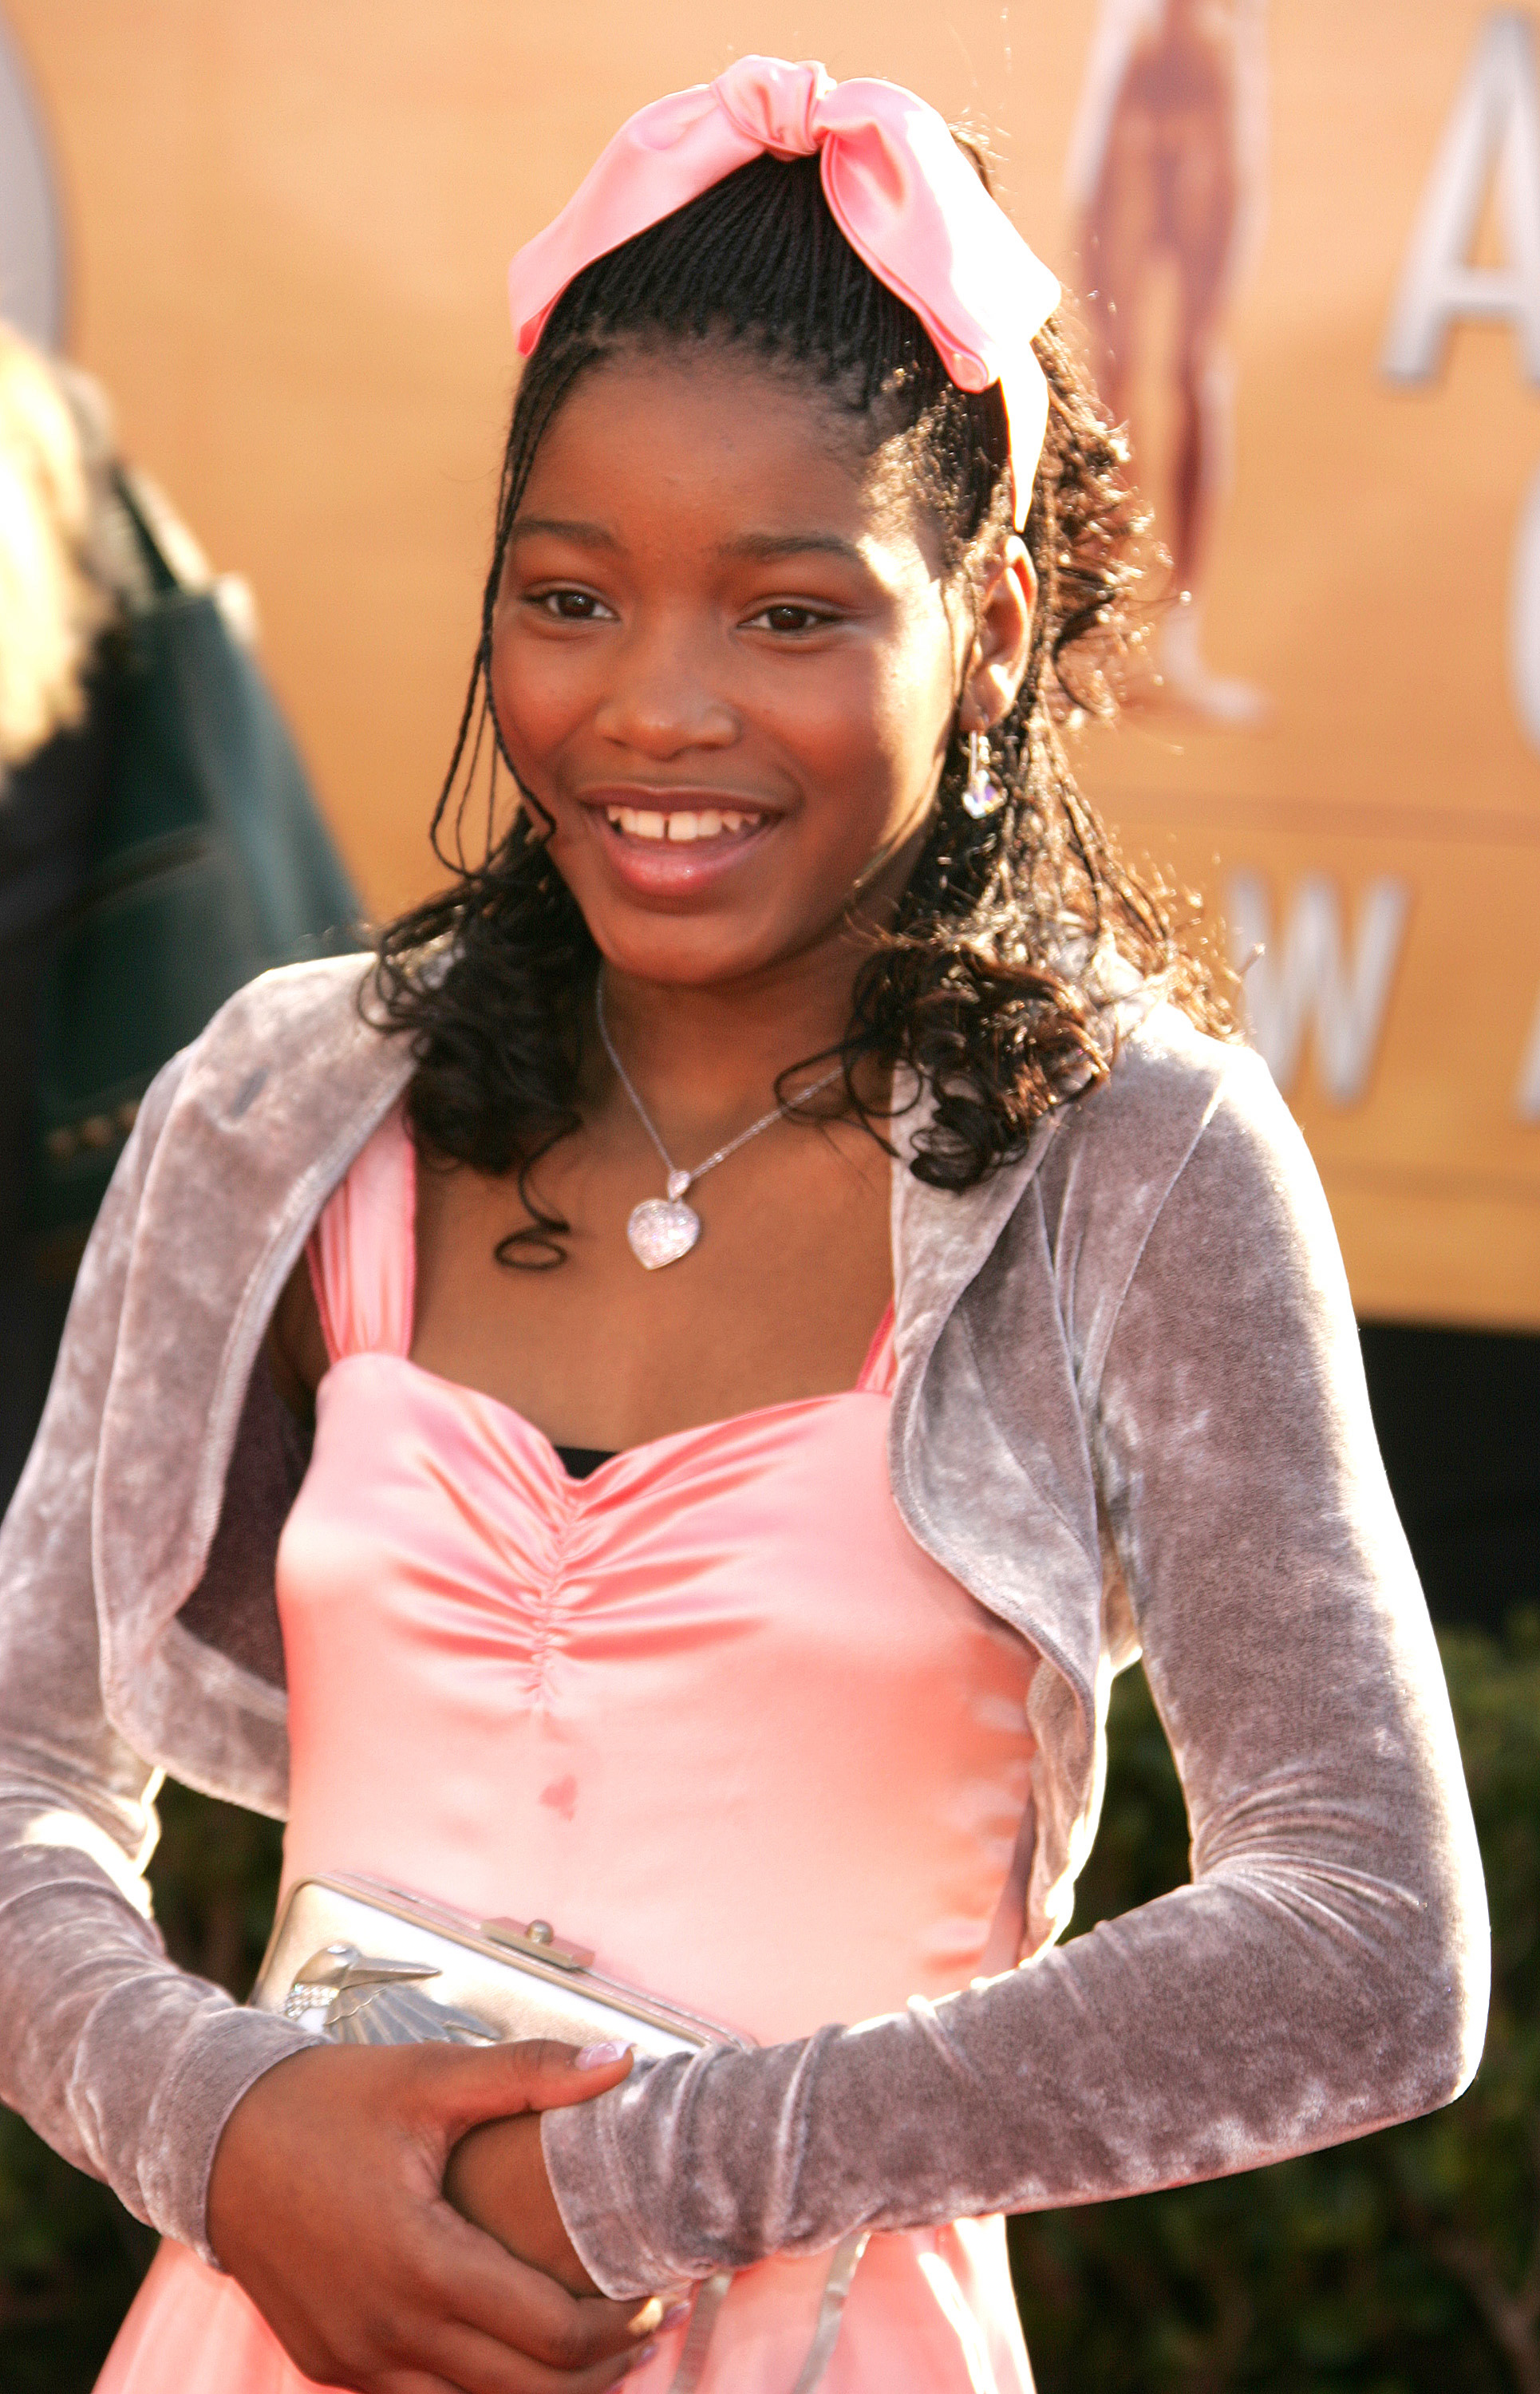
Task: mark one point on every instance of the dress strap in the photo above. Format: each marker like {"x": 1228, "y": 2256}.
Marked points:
{"x": 363, "y": 1252}
{"x": 878, "y": 1371}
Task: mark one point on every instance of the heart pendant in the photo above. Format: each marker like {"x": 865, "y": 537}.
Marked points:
{"x": 662, "y": 1230}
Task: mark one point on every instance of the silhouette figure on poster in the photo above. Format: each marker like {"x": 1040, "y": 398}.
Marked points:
{"x": 1167, "y": 171}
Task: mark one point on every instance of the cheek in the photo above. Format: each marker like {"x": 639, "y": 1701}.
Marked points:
{"x": 905, "y": 716}
{"x": 538, "y": 696}
{"x": 874, "y": 726}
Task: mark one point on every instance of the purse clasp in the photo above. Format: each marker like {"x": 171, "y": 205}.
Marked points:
{"x": 538, "y": 1938}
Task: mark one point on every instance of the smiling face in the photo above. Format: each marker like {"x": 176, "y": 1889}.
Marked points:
{"x": 726, "y": 663}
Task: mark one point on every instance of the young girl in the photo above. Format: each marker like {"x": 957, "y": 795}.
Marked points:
{"x": 792, "y": 1295}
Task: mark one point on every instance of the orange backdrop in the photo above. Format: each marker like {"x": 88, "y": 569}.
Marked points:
{"x": 285, "y": 232}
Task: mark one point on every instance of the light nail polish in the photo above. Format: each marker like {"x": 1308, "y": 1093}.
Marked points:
{"x": 599, "y": 2056}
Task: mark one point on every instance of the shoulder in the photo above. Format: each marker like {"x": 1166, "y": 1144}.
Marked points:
{"x": 299, "y": 1013}
{"x": 1183, "y": 1124}
{"x": 1181, "y": 1107}
{"x": 1126, "y": 1140}
{"x": 1182, "y": 1183}
{"x": 1082, "y": 1201}
{"x": 300, "y": 1031}
{"x": 1166, "y": 1079}
{"x": 283, "y": 1084}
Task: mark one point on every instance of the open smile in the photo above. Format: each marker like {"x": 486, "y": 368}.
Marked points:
{"x": 683, "y": 824}
{"x": 676, "y": 843}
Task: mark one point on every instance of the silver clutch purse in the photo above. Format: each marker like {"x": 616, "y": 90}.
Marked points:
{"x": 364, "y": 1964}
{"x": 360, "y": 1963}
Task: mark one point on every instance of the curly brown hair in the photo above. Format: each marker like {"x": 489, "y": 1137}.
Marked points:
{"x": 992, "y": 981}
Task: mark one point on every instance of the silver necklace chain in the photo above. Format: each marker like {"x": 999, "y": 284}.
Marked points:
{"x": 680, "y": 1181}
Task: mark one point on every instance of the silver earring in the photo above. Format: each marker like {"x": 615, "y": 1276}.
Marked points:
{"x": 981, "y": 793}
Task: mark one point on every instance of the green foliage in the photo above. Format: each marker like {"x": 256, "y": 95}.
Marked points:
{"x": 70, "y": 2260}
{"x": 1408, "y": 2263}
{"x": 1405, "y": 2264}
{"x": 216, "y": 1881}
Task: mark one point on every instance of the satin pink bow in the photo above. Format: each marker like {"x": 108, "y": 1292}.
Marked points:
{"x": 906, "y": 198}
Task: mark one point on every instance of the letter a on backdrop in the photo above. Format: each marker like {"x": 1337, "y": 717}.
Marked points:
{"x": 1494, "y": 131}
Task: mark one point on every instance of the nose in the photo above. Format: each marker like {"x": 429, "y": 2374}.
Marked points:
{"x": 663, "y": 698}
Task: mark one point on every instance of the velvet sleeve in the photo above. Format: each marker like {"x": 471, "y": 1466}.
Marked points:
{"x": 128, "y": 2066}
{"x": 1325, "y": 1972}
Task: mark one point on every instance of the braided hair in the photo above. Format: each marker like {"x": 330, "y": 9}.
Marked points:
{"x": 990, "y": 982}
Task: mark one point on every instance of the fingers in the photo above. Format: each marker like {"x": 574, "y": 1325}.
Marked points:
{"x": 470, "y": 2362}
{"x": 462, "y": 2084}
{"x": 487, "y": 2290}
{"x": 326, "y": 2206}
{"x": 479, "y": 2364}
{"x": 429, "y": 2335}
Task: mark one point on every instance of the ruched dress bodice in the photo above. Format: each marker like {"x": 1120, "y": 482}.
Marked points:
{"x": 710, "y": 1710}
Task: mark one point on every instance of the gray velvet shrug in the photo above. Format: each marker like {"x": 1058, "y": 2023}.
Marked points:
{"x": 1129, "y": 1415}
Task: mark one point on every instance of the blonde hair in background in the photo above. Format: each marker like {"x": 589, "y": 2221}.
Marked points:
{"x": 51, "y": 608}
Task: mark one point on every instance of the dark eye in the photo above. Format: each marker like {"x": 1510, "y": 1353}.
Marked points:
{"x": 786, "y": 617}
{"x": 570, "y": 606}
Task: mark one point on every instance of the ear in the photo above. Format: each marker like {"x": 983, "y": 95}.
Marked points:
{"x": 1002, "y": 640}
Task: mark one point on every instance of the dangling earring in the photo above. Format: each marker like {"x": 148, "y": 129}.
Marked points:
{"x": 982, "y": 795}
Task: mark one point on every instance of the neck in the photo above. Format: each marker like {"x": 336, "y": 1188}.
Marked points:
{"x": 706, "y": 1056}
{"x": 703, "y": 1056}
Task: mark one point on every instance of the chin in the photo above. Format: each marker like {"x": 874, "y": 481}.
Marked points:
{"x": 683, "y": 953}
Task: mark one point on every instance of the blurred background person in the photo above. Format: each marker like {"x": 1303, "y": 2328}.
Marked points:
{"x": 68, "y": 567}
{"x": 159, "y": 841}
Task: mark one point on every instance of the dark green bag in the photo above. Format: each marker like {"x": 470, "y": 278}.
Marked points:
{"x": 211, "y": 863}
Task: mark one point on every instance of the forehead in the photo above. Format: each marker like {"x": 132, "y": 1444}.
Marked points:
{"x": 707, "y": 434}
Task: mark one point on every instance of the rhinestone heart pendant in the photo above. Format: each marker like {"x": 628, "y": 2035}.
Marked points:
{"x": 660, "y": 1231}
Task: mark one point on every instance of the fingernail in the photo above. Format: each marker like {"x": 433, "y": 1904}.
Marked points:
{"x": 649, "y": 2352}
{"x": 653, "y": 2318}
{"x": 599, "y": 2056}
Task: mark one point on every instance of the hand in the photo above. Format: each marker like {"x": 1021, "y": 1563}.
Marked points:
{"x": 498, "y": 2178}
{"x": 324, "y": 2204}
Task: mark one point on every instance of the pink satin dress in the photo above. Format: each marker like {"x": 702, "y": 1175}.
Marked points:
{"x": 710, "y": 1711}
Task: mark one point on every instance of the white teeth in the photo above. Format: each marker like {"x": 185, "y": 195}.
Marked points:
{"x": 710, "y": 823}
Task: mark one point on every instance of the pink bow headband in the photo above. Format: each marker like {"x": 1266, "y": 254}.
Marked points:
{"x": 901, "y": 191}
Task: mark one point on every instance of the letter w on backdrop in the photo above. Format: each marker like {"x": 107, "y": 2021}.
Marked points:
{"x": 1307, "y": 975}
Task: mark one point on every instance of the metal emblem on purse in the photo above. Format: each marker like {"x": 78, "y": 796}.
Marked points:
{"x": 352, "y": 1960}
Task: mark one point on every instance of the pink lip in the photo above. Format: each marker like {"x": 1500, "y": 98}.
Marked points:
{"x": 662, "y": 868}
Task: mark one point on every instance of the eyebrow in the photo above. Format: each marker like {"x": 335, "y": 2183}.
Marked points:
{"x": 771, "y": 545}
{"x": 764, "y": 545}
{"x": 587, "y": 535}
{"x": 752, "y": 544}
